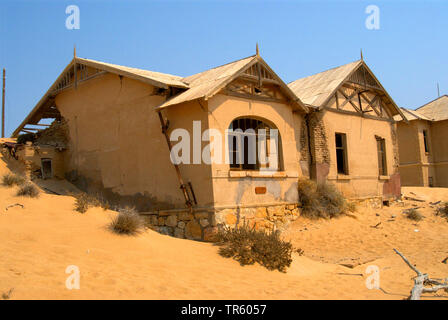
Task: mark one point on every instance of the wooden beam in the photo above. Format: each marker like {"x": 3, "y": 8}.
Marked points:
{"x": 355, "y": 84}
{"x": 371, "y": 103}
{"x": 353, "y": 113}
{"x": 252, "y": 97}
{"x": 251, "y": 78}
{"x": 349, "y": 99}
{"x": 337, "y": 100}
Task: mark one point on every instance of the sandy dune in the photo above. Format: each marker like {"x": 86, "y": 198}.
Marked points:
{"x": 38, "y": 242}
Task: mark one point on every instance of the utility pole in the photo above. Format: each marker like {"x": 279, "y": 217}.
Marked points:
{"x": 438, "y": 90}
{"x": 3, "y": 104}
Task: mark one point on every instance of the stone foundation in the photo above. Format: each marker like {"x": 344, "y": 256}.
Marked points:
{"x": 203, "y": 225}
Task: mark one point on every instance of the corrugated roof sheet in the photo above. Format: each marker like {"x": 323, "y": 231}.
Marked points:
{"x": 316, "y": 89}
{"x": 165, "y": 78}
{"x": 436, "y": 110}
{"x": 410, "y": 115}
{"x": 205, "y": 83}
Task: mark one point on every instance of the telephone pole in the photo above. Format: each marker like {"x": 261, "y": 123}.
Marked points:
{"x": 3, "y": 104}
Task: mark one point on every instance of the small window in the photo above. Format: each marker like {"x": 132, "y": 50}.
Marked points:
{"x": 382, "y": 164}
{"x": 425, "y": 140}
{"x": 341, "y": 153}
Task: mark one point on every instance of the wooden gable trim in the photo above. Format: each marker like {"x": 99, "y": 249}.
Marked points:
{"x": 357, "y": 114}
{"x": 380, "y": 88}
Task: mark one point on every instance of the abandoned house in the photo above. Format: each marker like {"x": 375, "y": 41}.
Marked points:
{"x": 423, "y": 146}
{"x": 352, "y": 131}
{"x": 119, "y": 123}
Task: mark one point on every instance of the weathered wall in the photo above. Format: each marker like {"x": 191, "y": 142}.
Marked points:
{"x": 204, "y": 224}
{"x": 417, "y": 167}
{"x": 116, "y": 144}
{"x": 31, "y": 157}
{"x": 231, "y": 188}
{"x": 439, "y": 143}
{"x": 363, "y": 179}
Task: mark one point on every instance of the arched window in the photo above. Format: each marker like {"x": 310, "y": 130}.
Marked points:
{"x": 253, "y": 145}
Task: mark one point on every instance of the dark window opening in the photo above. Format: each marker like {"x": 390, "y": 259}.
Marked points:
{"x": 246, "y": 138}
{"x": 47, "y": 169}
{"x": 425, "y": 140}
{"x": 341, "y": 153}
{"x": 382, "y": 163}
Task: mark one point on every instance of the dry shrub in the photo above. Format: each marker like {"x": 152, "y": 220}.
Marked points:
{"x": 443, "y": 210}
{"x": 10, "y": 179}
{"x": 85, "y": 201}
{"x": 28, "y": 190}
{"x": 7, "y": 295}
{"x": 414, "y": 214}
{"x": 351, "y": 206}
{"x": 247, "y": 246}
{"x": 128, "y": 221}
{"x": 322, "y": 200}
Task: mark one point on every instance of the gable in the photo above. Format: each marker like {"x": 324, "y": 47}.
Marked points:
{"x": 80, "y": 70}
{"x": 257, "y": 83}
{"x": 250, "y": 77}
{"x": 362, "y": 94}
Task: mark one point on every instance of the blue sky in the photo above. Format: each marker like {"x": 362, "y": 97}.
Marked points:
{"x": 297, "y": 38}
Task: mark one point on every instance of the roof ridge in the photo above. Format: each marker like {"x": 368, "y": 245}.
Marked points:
{"x": 445, "y": 95}
{"x": 120, "y": 65}
{"x": 225, "y": 64}
{"x": 314, "y": 74}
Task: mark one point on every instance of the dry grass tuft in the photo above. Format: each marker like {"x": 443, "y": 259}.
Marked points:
{"x": 128, "y": 221}
{"x": 322, "y": 200}
{"x": 7, "y": 295}
{"x": 85, "y": 201}
{"x": 29, "y": 189}
{"x": 414, "y": 214}
{"x": 11, "y": 179}
{"x": 247, "y": 246}
{"x": 443, "y": 210}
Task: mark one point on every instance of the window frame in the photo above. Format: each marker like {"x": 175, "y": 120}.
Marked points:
{"x": 233, "y": 153}
{"x": 344, "y": 148}
{"x": 382, "y": 156}
{"x": 425, "y": 140}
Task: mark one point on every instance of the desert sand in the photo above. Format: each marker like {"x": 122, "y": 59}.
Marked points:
{"x": 39, "y": 241}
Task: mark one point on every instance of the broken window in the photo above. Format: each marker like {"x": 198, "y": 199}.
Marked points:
{"x": 253, "y": 145}
{"x": 425, "y": 140}
{"x": 341, "y": 153}
{"x": 382, "y": 164}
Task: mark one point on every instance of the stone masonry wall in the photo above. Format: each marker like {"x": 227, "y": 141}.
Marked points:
{"x": 204, "y": 225}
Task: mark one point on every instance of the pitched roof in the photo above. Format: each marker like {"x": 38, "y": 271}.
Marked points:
{"x": 200, "y": 85}
{"x": 435, "y": 110}
{"x": 316, "y": 89}
{"x": 203, "y": 84}
{"x": 410, "y": 115}
{"x": 208, "y": 83}
{"x": 156, "y": 78}
{"x": 162, "y": 80}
